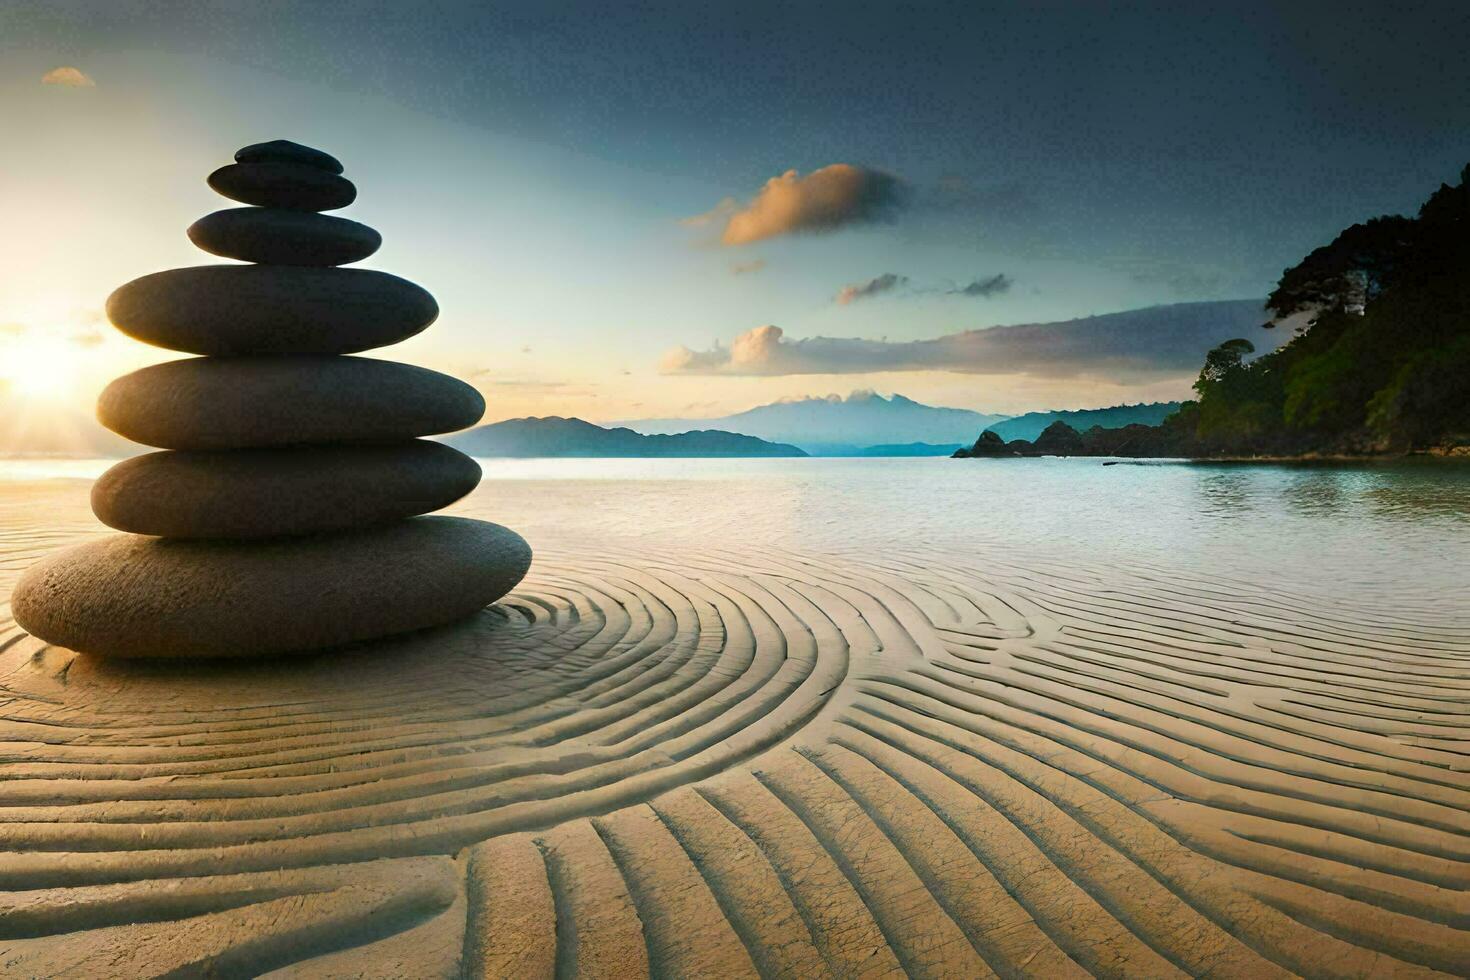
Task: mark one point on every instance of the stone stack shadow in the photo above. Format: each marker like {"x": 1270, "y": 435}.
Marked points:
{"x": 282, "y": 515}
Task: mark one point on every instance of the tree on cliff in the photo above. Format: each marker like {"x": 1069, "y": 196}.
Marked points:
{"x": 1385, "y": 362}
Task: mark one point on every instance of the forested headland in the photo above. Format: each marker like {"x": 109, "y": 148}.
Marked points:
{"x": 1380, "y": 363}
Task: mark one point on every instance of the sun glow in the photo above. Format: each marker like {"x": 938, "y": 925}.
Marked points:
{"x": 40, "y": 369}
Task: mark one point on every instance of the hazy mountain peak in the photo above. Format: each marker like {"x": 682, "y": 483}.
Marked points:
{"x": 838, "y": 425}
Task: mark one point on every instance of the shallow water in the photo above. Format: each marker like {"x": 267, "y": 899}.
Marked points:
{"x": 1369, "y": 529}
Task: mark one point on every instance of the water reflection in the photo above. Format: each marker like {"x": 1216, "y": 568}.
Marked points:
{"x": 1225, "y": 493}
{"x": 1406, "y": 490}
{"x": 1328, "y": 492}
{"x": 1423, "y": 491}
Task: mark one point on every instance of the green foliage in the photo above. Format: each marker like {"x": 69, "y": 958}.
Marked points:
{"x": 1366, "y": 256}
{"x": 1236, "y": 398}
{"x": 1385, "y": 363}
{"x": 1224, "y": 365}
{"x": 1426, "y": 399}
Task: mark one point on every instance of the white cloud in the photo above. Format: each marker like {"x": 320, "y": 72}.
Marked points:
{"x": 69, "y": 77}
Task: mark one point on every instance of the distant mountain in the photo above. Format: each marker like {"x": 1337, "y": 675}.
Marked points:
{"x": 1032, "y": 424}
{"x": 554, "y": 436}
{"x": 837, "y": 426}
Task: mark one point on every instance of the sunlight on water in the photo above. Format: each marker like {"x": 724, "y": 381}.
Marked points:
{"x": 60, "y": 468}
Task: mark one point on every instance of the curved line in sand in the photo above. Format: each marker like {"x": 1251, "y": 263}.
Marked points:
{"x": 773, "y": 764}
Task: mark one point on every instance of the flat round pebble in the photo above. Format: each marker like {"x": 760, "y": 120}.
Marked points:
{"x": 292, "y": 400}
{"x": 227, "y": 310}
{"x": 282, "y": 237}
{"x": 283, "y": 185}
{"x": 285, "y": 151}
{"x": 133, "y": 596}
{"x": 261, "y": 493}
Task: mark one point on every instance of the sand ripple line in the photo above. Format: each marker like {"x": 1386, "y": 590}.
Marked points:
{"x": 762, "y": 764}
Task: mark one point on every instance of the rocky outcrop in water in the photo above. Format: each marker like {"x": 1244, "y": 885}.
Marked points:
{"x": 283, "y": 512}
{"x": 1060, "y": 439}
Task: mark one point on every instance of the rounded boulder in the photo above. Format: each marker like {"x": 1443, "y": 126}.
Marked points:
{"x": 211, "y": 403}
{"x": 260, "y": 493}
{"x": 228, "y": 310}
{"x": 281, "y": 237}
{"x": 285, "y": 151}
{"x": 142, "y": 597}
{"x": 283, "y": 185}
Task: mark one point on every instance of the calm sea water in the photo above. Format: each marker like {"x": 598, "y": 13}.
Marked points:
{"x": 1365, "y": 531}
{"x": 1335, "y": 529}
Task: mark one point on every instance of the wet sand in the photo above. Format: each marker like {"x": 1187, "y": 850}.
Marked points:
{"x": 705, "y": 753}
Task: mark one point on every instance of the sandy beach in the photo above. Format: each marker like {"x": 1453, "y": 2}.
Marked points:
{"x": 755, "y": 756}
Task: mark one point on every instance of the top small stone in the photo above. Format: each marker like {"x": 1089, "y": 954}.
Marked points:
{"x": 285, "y": 151}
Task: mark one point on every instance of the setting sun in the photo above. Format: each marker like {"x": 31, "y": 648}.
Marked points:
{"x": 40, "y": 369}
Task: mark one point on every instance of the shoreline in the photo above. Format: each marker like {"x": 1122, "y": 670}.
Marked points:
{"x": 1455, "y": 458}
{"x": 1456, "y": 455}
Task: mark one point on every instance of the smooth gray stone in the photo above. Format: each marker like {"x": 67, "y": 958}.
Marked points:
{"x": 261, "y": 493}
{"x": 285, "y": 151}
{"x": 249, "y": 402}
{"x": 283, "y": 185}
{"x": 281, "y": 237}
{"x": 226, "y": 310}
{"x": 134, "y": 596}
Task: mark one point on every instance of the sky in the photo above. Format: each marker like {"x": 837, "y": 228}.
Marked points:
{"x": 614, "y": 204}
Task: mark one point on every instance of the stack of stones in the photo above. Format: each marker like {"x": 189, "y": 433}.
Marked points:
{"x": 282, "y": 515}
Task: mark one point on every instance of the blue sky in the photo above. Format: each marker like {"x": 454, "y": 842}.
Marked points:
{"x": 533, "y": 166}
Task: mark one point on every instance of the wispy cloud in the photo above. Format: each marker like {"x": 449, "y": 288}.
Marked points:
{"x": 69, "y": 77}
{"x": 887, "y": 282}
{"x": 824, "y": 200}
{"x": 1137, "y": 345}
{"x": 985, "y": 287}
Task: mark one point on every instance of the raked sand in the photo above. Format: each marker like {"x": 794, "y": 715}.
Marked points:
{"x": 724, "y": 757}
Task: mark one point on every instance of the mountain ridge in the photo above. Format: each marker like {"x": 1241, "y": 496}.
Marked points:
{"x": 835, "y": 425}
{"x": 554, "y": 436}
{"x": 1032, "y": 424}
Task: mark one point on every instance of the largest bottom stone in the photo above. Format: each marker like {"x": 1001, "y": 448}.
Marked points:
{"x": 133, "y": 596}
